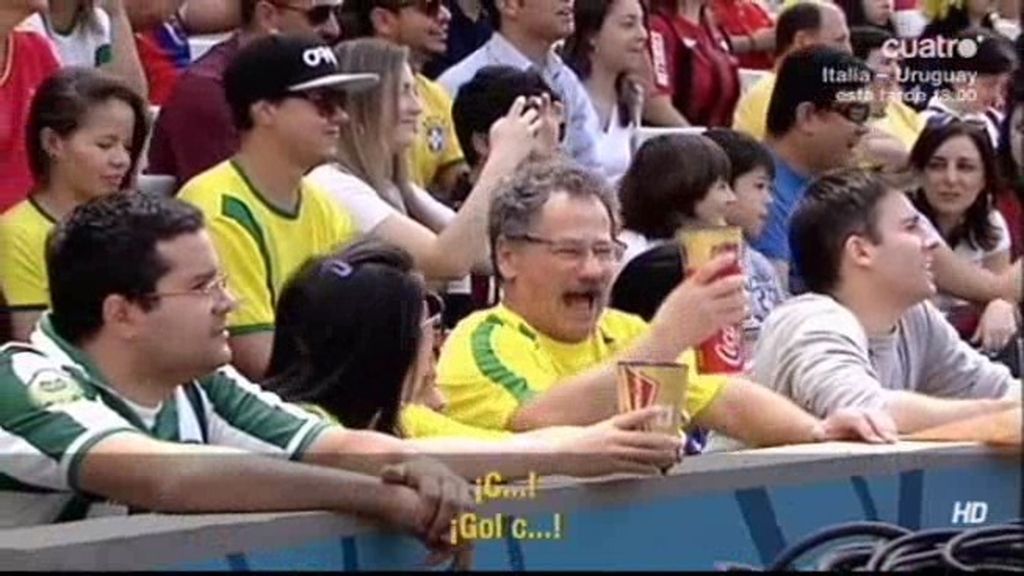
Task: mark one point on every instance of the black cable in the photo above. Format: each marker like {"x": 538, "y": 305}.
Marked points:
{"x": 847, "y": 558}
{"x": 1008, "y": 539}
{"x": 910, "y": 543}
{"x": 846, "y": 530}
{"x": 889, "y": 547}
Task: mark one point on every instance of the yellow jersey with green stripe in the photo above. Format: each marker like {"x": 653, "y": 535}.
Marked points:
{"x": 493, "y": 362}
{"x": 260, "y": 245}
{"x": 23, "y": 279}
{"x": 436, "y": 146}
{"x": 419, "y": 421}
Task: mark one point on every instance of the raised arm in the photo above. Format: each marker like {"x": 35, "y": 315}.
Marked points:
{"x": 461, "y": 244}
{"x": 124, "y": 62}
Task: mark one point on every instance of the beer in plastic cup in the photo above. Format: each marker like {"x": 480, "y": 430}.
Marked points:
{"x": 642, "y": 384}
{"x": 723, "y": 352}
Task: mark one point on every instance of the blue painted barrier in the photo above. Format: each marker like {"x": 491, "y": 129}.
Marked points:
{"x": 740, "y": 507}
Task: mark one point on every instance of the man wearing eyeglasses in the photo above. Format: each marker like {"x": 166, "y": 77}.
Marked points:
{"x": 193, "y": 130}
{"x": 817, "y": 127}
{"x": 813, "y": 126}
{"x": 436, "y": 162}
{"x": 287, "y": 101}
{"x": 124, "y": 394}
{"x": 545, "y": 356}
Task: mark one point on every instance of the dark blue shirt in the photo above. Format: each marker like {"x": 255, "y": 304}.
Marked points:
{"x": 774, "y": 239}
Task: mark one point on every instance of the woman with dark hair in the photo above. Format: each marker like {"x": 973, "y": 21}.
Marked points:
{"x": 957, "y": 166}
{"x": 661, "y": 193}
{"x": 608, "y": 51}
{"x": 877, "y": 13}
{"x": 354, "y": 341}
{"x": 84, "y": 137}
{"x": 694, "y": 68}
{"x": 659, "y": 196}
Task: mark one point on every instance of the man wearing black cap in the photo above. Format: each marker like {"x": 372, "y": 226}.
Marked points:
{"x": 286, "y": 97}
{"x": 177, "y": 148}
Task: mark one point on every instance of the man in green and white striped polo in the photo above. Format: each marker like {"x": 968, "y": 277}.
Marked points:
{"x": 119, "y": 399}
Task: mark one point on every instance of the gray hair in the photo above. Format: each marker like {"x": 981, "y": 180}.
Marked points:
{"x": 519, "y": 200}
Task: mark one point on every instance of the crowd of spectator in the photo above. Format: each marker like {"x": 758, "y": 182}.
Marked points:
{"x": 363, "y": 251}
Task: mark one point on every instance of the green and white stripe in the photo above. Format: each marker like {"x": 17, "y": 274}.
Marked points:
{"x": 243, "y": 415}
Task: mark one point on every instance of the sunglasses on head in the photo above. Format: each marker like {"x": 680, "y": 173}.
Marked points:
{"x": 316, "y": 15}
{"x": 429, "y": 8}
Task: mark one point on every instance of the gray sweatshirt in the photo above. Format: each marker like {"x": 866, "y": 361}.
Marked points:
{"x": 814, "y": 351}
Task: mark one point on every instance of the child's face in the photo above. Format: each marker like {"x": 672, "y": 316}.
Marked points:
{"x": 712, "y": 208}
{"x": 753, "y": 196}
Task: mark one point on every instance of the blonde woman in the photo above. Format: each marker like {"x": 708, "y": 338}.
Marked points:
{"x": 370, "y": 177}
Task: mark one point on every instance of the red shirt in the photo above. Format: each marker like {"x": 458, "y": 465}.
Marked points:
{"x": 30, "y": 60}
{"x": 164, "y": 52}
{"x": 177, "y": 147}
{"x": 693, "y": 66}
{"x": 743, "y": 18}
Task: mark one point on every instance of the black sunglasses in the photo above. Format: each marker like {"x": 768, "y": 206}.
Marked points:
{"x": 326, "y": 102}
{"x": 856, "y": 112}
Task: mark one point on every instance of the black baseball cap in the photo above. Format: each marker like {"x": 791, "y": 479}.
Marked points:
{"x": 270, "y": 68}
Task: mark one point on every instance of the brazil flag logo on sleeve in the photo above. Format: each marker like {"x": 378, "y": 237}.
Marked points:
{"x": 50, "y": 387}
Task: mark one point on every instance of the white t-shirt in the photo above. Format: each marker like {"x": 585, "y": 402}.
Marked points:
{"x": 368, "y": 209}
{"x": 87, "y": 45}
{"x": 976, "y": 255}
{"x": 613, "y": 147}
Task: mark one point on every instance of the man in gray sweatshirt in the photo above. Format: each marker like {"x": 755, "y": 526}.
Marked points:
{"x": 866, "y": 335}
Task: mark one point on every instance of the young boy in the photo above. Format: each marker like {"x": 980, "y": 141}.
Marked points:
{"x": 753, "y": 172}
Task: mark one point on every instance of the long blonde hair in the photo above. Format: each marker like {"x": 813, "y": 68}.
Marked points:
{"x": 364, "y": 146}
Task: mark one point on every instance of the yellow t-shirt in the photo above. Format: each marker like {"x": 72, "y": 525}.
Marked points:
{"x": 436, "y": 146}
{"x": 751, "y": 114}
{"x": 493, "y": 362}
{"x": 419, "y": 421}
{"x": 259, "y": 245}
{"x": 901, "y": 121}
{"x": 23, "y": 279}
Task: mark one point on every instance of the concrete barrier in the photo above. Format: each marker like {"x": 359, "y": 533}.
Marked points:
{"x": 740, "y": 507}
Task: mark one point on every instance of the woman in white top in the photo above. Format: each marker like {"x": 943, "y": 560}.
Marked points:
{"x": 958, "y": 174}
{"x": 371, "y": 178}
{"x": 607, "y": 51}
{"x": 89, "y": 36}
